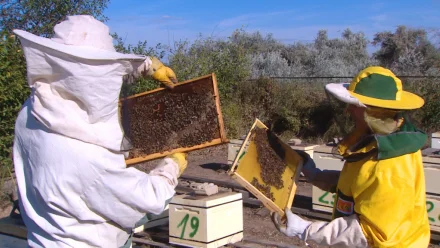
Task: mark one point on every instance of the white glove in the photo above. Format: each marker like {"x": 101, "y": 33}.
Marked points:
{"x": 168, "y": 169}
{"x": 296, "y": 226}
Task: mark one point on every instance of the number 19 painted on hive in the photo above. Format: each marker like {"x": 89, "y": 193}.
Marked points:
{"x": 194, "y": 225}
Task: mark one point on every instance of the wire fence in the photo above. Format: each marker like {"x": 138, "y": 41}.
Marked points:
{"x": 413, "y": 83}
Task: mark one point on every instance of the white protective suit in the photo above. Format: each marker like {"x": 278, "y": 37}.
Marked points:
{"x": 74, "y": 187}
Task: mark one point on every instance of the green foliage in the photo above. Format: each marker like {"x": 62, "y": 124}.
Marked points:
{"x": 13, "y": 92}
{"x": 227, "y": 59}
{"x": 291, "y": 109}
{"x": 429, "y": 115}
{"x": 407, "y": 51}
{"x": 140, "y": 49}
{"x": 133, "y": 85}
{"x": 40, "y": 16}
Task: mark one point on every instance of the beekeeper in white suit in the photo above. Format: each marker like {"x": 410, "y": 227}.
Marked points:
{"x": 74, "y": 187}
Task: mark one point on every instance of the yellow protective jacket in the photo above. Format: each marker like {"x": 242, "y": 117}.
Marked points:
{"x": 388, "y": 194}
{"x": 381, "y": 198}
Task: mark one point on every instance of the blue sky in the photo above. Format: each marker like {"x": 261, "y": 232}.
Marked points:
{"x": 289, "y": 21}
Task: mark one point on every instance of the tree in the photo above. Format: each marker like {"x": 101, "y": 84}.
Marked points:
{"x": 255, "y": 42}
{"x": 406, "y": 51}
{"x": 228, "y": 60}
{"x": 13, "y": 91}
{"x": 131, "y": 84}
{"x": 40, "y": 16}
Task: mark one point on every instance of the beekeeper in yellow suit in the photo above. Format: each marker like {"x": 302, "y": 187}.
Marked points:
{"x": 380, "y": 192}
{"x": 74, "y": 187}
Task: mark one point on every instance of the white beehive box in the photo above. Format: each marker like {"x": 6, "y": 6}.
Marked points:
{"x": 324, "y": 160}
{"x": 307, "y": 148}
{"x": 435, "y": 140}
{"x": 206, "y": 221}
{"x": 233, "y": 148}
{"x": 431, "y": 163}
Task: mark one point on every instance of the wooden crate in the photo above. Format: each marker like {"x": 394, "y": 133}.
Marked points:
{"x": 246, "y": 167}
{"x": 208, "y": 82}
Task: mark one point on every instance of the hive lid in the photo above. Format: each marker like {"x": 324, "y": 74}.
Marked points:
{"x": 323, "y": 148}
{"x": 303, "y": 147}
{"x": 206, "y": 201}
{"x": 436, "y": 135}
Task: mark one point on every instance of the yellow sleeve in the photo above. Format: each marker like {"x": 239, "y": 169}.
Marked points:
{"x": 384, "y": 203}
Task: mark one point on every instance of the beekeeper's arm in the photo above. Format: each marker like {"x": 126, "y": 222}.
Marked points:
{"x": 326, "y": 180}
{"x": 341, "y": 232}
{"x": 152, "y": 67}
{"x": 380, "y": 217}
{"x": 126, "y": 195}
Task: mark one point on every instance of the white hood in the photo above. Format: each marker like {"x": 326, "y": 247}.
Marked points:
{"x": 75, "y": 89}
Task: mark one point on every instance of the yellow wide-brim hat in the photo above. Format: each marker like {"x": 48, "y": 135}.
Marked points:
{"x": 378, "y": 87}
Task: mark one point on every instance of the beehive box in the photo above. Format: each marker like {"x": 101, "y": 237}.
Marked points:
{"x": 435, "y": 140}
{"x": 307, "y": 148}
{"x": 280, "y": 170}
{"x": 206, "y": 221}
{"x": 162, "y": 121}
{"x": 431, "y": 163}
{"x": 324, "y": 160}
{"x": 233, "y": 149}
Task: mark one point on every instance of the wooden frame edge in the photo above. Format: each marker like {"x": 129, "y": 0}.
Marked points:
{"x": 243, "y": 145}
{"x": 294, "y": 185}
{"x": 161, "y": 89}
{"x": 157, "y": 155}
{"x": 266, "y": 201}
{"x": 219, "y": 112}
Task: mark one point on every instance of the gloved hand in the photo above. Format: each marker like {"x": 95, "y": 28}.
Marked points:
{"x": 180, "y": 159}
{"x": 309, "y": 168}
{"x": 162, "y": 73}
{"x": 296, "y": 226}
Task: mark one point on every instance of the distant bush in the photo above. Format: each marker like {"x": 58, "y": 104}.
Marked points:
{"x": 13, "y": 92}
{"x": 290, "y": 109}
